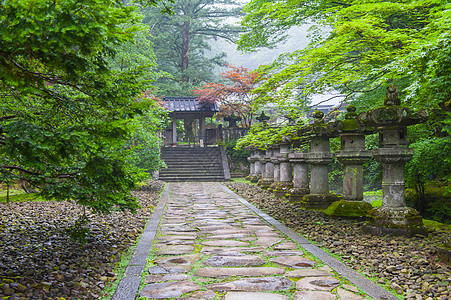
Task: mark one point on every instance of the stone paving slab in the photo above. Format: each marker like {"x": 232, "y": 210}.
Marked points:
{"x": 254, "y": 296}
{"x": 257, "y": 284}
{"x": 235, "y": 252}
{"x": 373, "y": 290}
{"x": 244, "y": 271}
{"x": 234, "y": 261}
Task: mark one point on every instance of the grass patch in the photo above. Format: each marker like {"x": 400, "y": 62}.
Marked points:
{"x": 20, "y": 197}
{"x": 242, "y": 180}
{"x": 119, "y": 269}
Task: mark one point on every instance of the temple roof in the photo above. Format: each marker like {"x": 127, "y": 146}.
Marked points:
{"x": 181, "y": 105}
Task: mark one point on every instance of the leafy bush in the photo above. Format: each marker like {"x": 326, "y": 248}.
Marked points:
{"x": 432, "y": 159}
{"x": 436, "y": 204}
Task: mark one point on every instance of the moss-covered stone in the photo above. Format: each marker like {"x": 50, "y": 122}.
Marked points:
{"x": 265, "y": 183}
{"x": 349, "y": 209}
{"x": 254, "y": 179}
{"x": 282, "y": 189}
{"x": 318, "y": 201}
{"x": 444, "y": 254}
{"x": 400, "y": 221}
{"x": 296, "y": 194}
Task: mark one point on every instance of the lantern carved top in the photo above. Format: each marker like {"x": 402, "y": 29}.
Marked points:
{"x": 392, "y": 115}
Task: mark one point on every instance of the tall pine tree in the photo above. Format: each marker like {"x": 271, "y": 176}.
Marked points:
{"x": 181, "y": 41}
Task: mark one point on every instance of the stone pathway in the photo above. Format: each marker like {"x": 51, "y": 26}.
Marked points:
{"x": 212, "y": 244}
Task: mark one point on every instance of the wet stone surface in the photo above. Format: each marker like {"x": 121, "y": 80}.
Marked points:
{"x": 234, "y": 261}
{"x": 317, "y": 283}
{"x": 225, "y": 251}
{"x": 253, "y": 284}
{"x": 168, "y": 289}
{"x": 254, "y": 296}
{"x": 410, "y": 265}
{"x": 309, "y": 295}
{"x": 231, "y": 272}
{"x": 297, "y": 262}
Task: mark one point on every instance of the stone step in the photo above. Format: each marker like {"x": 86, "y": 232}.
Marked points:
{"x": 190, "y": 174}
{"x": 192, "y": 160}
{"x": 192, "y": 164}
{"x": 191, "y": 170}
{"x": 193, "y": 178}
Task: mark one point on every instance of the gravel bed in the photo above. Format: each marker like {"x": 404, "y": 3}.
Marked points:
{"x": 407, "y": 265}
{"x": 39, "y": 260}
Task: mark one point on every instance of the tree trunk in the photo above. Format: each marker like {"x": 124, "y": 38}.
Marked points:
{"x": 185, "y": 49}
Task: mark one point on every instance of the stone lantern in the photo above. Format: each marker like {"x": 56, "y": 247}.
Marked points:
{"x": 352, "y": 155}
{"x": 391, "y": 122}
{"x": 276, "y": 163}
{"x": 286, "y": 172}
{"x": 262, "y": 161}
{"x": 263, "y": 118}
{"x": 251, "y": 159}
{"x": 268, "y": 174}
{"x": 257, "y": 166}
{"x": 298, "y": 159}
{"x": 232, "y": 120}
{"x": 319, "y": 157}
{"x": 300, "y": 175}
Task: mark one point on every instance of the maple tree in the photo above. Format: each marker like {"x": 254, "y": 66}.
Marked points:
{"x": 234, "y": 97}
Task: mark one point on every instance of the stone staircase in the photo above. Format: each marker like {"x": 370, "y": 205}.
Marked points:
{"x": 192, "y": 164}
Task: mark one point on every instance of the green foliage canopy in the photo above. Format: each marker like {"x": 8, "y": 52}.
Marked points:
{"x": 65, "y": 114}
{"x": 356, "y": 46}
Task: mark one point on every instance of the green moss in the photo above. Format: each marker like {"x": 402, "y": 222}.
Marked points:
{"x": 351, "y": 125}
{"x": 350, "y": 209}
{"x": 318, "y": 201}
{"x": 436, "y": 225}
{"x": 374, "y": 197}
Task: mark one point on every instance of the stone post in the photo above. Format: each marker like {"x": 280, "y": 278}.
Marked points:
{"x": 391, "y": 121}
{"x": 286, "y": 172}
{"x": 251, "y": 159}
{"x": 276, "y": 162}
{"x": 258, "y": 167}
{"x": 262, "y": 161}
{"x": 268, "y": 174}
{"x": 318, "y": 158}
{"x": 300, "y": 176}
{"x": 352, "y": 155}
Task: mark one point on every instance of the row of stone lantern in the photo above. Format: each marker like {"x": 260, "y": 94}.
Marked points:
{"x": 286, "y": 172}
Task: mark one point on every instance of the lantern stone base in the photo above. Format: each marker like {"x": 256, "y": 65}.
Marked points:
{"x": 349, "y": 209}
{"x": 318, "y": 201}
{"x": 398, "y": 221}
{"x": 273, "y": 186}
{"x": 296, "y": 194}
{"x": 282, "y": 189}
{"x": 254, "y": 179}
{"x": 265, "y": 183}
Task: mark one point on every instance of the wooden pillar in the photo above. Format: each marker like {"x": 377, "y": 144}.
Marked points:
{"x": 174, "y": 131}
{"x": 202, "y": 130}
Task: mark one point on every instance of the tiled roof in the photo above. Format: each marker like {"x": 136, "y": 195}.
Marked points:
{"x": 188, "y": 104}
